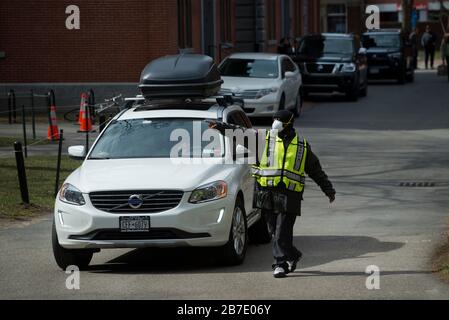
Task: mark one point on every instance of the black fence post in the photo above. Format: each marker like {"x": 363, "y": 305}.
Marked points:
{"x": 33, "y": 115}
{"x": 21, "y": 172}
{"x": 24, "y": 131}
{"x": 102, "y": 120}
{"x": 58, "y": 165}
{"x": 91, "y": 102}
{"x": 10, "y": 106}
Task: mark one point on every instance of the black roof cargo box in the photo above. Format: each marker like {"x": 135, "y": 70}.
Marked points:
{"x": 180, "y": 76}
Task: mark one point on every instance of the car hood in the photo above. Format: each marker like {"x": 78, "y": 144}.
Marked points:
{"x": 145, "y": 174}
{"x": 327, "y": 58}
{"x": 236, "y": 83}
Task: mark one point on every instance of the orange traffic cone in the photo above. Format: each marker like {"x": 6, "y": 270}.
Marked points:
{"x": 85, "y": 121}
{"x": 83, "y": 105}
{"x": 53, "y": 130}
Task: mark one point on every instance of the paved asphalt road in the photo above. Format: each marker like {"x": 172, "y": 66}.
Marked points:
{"x": 397, "y": 134}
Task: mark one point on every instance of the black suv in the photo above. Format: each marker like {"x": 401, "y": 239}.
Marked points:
{"x": 333, "y": 62}
{"x": 389, "y": 55}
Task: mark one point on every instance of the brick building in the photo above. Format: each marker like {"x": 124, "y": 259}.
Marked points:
{"x": 118, "y": 37}
{"x": 349, "y": 15}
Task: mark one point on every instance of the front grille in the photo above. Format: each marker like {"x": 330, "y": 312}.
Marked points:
{"x": 244, "y": 94}
{"x": 152, "y": 234}
{"x": 153, "y": 200}
{"x": 320, "y": 67}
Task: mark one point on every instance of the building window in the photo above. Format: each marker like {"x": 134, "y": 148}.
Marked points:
{"x": 336, "y": 18}
{"x": 184, "y": 24}
{"x": 226, "y": 20}
{"x": 389, "y": 16}
{"x": 271, "y": 19}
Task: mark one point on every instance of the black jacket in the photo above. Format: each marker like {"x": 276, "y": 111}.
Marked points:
{"x": 313, "y": 170}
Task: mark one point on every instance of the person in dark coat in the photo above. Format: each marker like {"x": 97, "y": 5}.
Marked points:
{"x": 281, "y": 224}
{"x": 285, "y": 254}
{"x": 428, "y": 41}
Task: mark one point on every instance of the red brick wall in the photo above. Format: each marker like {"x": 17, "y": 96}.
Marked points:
{"x": 117, "y": 38}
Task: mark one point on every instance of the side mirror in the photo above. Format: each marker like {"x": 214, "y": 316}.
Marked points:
{"x": 77, "y": 152}
{"x": 362, "y": 51}
{"x": 241, "y": 151}
{"x": 289, "y": 75}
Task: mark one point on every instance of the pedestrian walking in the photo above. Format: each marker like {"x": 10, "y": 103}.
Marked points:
{"x": 445, "y": 53}
{"x": 428, "y": 41}
{"x": 280, "y": 179}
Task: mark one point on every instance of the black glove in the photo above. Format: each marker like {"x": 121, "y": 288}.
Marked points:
{"x": 331, "y": 197}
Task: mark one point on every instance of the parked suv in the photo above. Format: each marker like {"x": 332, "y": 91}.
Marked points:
{"x": 332, "y": 62}
{"x": 389, "y": 55}
{"x": 157, "y": 176}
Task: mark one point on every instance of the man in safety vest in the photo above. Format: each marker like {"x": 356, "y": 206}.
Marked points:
{"x": 280, "y": 177}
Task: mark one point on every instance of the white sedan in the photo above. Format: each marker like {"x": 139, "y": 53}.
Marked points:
{"x": 266, "y": 82}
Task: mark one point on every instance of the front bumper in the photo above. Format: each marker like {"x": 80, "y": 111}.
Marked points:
{"x": 328, "y": 82}
{"x": 388, "y": 69}
{"x": 263, "y": 107}
{"x": 206, "y": 224}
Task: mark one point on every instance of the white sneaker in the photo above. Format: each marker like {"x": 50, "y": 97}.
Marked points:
{"x": 292, "y": 264}
{"x": 279, "y": 272}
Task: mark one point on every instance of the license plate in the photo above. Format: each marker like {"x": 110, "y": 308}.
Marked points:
{"x": 374, "y": 70}
{"x": 134, "y": 224}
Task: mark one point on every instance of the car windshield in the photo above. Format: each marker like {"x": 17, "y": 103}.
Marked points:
{"x": 249, "y": 68}
{"x": 158, "y": 138}
{"x": 319, "y": 46}
{"x": 381, "y": 41}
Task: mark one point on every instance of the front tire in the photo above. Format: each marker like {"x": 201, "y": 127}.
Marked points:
{"x": 67, "y": 257}
{"x": 234, "y": 251}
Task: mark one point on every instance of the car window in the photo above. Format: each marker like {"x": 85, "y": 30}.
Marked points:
{"x": 249, "y": 68}
{"x": 381, "y": 40}
{"x": 318, "y": 46}
{"x": 236, "y": 119}
{"x": 155, "y": 138}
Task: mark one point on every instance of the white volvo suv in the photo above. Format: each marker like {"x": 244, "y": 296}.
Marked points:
{"x": 128, "y": 193}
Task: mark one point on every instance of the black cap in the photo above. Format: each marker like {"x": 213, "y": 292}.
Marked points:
{"x": 284, "y": 116}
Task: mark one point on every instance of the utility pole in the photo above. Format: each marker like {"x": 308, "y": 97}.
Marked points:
{"x": 407, "y": 7}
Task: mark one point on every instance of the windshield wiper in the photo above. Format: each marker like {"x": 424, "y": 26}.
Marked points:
{"x": 99, "y": 158}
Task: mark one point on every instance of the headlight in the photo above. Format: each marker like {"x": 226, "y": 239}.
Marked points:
{"x": 71, "y": 194}
{"x": 348, "y": 67}
{"x": 212, "y": 191}
{"x": 265, "y": 92}
{"x": 396, "y": 55}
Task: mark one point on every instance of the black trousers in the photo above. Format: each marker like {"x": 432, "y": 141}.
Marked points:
{"x": 429, "y": 53}
{"x": 281, "y": 226}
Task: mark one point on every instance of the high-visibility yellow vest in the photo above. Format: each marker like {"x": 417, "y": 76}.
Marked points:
{"x": 277, "y": 163}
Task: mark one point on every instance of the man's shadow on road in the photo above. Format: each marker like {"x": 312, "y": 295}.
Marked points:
{"x": 317, "y": 250}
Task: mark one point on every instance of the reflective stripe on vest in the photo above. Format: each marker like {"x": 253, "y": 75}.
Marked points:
{"x": 272, "y": 168}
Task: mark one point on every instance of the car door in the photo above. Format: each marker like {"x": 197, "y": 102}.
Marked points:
{"x": 247, "y": 182}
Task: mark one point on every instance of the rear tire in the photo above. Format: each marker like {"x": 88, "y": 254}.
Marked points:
{"x": 234, "y": 251}
{"x": 67, "y": 257}
{"x": 259, "y": 232}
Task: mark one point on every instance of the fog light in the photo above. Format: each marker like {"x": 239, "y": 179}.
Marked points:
{"x": 220, "y": 216}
